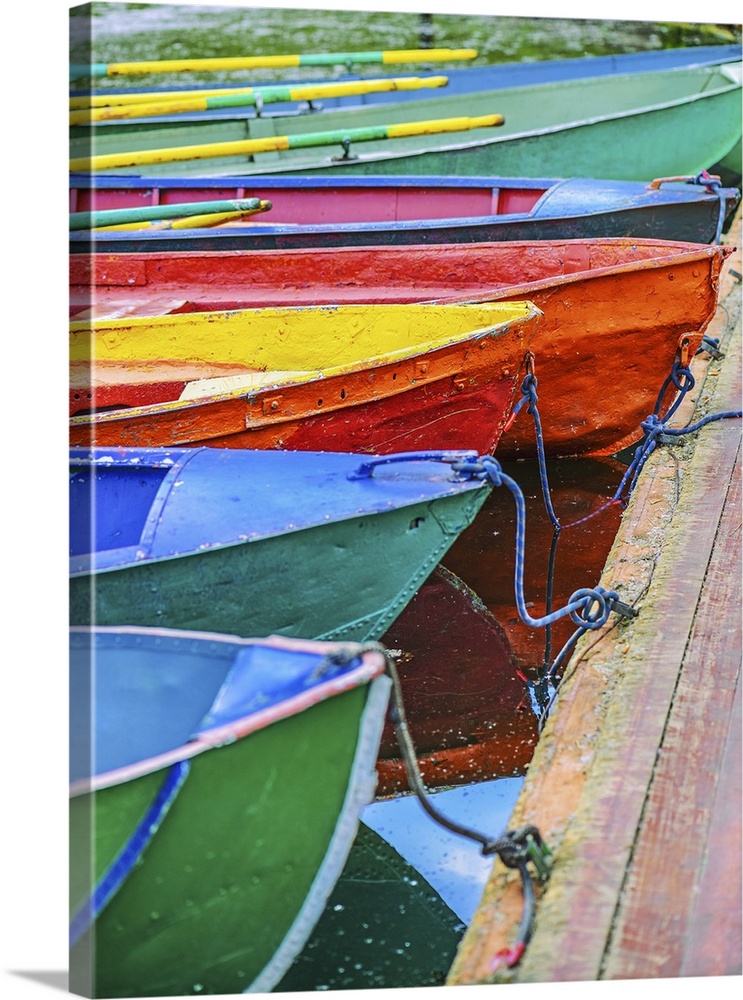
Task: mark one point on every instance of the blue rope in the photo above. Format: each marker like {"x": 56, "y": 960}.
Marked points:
{"x": 588, "y": 607}
{"x": 121, "y": 866}
{"x": 654, "y": 427}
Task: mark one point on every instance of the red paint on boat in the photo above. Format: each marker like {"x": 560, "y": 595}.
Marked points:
{"x": 614, "y": 310}
{"x": 305, "y": 206}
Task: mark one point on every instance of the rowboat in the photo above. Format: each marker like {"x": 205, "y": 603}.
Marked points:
{"x": 460, "y": 79}
{"x": 302, "y": 544}
{"x": 349, "y": 378}
{"x": 666, "y": 123}
{"x": 193, "y": 732}
{"x": 322, "y": 211}
{"x": 583, "y": 342}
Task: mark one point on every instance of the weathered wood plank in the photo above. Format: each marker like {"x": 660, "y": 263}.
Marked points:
{"x": 654, "y": 920}
{"x": 713, "y": 946}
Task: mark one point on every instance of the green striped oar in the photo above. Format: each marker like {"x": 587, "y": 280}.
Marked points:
{"x": 205, "y": 221}
{"x": 79, "y": 70}
{"x": 269, "y": 144}
{"x": 262, "y": 95}
{"x": 121, "y": 216}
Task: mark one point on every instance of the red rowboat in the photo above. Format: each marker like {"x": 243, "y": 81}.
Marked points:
{"x": 615, "y": 310}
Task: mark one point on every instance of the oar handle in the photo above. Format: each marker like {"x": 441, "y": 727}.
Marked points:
{"x": 108, "y": 161}
{"x": 80, "y": 70}
{"x": 122, "y": 216}
{"x": 257, "y": 95}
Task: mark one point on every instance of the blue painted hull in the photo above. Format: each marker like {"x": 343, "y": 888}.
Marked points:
{"x": 257, "y": 542}
{"x": 467, "y": 80}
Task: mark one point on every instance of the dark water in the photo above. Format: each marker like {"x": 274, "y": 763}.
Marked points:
{"x": 403, "y": 930}
{"x": 399, "y": 911}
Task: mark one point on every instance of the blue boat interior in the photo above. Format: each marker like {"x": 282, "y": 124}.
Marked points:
{"x": 138, "y": 694}
{"x": 119, "y": 522}
{"x": 132, "y": 504}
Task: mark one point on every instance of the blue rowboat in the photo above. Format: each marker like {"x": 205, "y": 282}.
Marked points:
{"x": 462, "y": 79}
{"x": 216, "y": 786}
{"x": 323, "y": 211}
{"x": 305, "y": 544}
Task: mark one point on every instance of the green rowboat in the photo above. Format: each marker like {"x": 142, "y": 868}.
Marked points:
{"x": 216, "y": 787}
{"x": 629, "y": 126}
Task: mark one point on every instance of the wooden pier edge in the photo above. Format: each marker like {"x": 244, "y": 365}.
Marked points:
{"x": 636, "y": 780}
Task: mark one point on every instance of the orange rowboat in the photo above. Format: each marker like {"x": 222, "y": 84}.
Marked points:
{"x": 372, "y": 378}
{"x": 615, "y": 310}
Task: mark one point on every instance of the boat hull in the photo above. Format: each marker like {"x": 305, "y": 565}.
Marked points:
{"x": 666, "y": 123}
{"x": 216, "y": 902}
{"x": 341, "y": 211}
{"x": 322, "y": 538}
{"x": 582, "y": 344}
{"x": 466, "y": 725}
{"x": 438, "y": 389}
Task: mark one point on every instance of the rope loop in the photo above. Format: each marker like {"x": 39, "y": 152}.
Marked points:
{"x": 595, "y": 610}
{"x": 492, "y": 469}
{"x": 682, "y": 378}
{"x": 529, "y": 390}
{"x": 704, "y": 178}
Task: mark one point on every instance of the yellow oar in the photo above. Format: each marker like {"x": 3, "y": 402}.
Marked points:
{"x": 270, "y": 62}
{"x": 192, "y": 222}
{"x": 252, "y": 96}
{"x": 268, "y": 144}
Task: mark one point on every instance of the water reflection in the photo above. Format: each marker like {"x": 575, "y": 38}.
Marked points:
{"x": 397, "y": 914}
{"x": 465, "y": 653}
{"x": 452, "y": 863}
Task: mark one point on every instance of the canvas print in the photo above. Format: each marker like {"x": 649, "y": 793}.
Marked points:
{"x": 404, "y": 464}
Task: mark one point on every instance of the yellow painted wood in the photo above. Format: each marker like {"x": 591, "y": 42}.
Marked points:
{"x": 199, "y": 152}
{"x": 436, "y": 125}
{"x": 283, "y": 61}
{"x": 113, "y": 100}
{"x": 427, "y": 55}
{"x": 205, "y": 221}
{"x": 309, "y": 338}
{"x": 268, "y": 144}
{"x": 99, "y": 108}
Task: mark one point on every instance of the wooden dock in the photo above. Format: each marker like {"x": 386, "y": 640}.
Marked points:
{"x": 635, "y": 783}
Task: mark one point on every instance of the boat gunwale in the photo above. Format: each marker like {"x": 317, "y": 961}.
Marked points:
{"x": 112, "y": 560}
{"x": 372, "y": 665}
{"x": 379, "y": 363}
{"x": 686, "y": 253}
